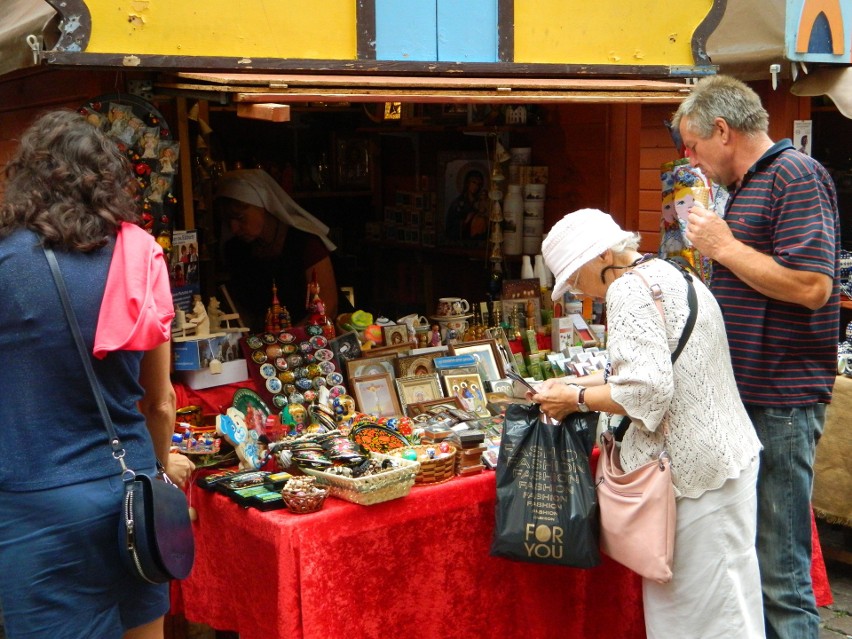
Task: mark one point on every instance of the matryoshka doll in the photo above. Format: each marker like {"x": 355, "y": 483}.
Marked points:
{"x": 314, "y": 304}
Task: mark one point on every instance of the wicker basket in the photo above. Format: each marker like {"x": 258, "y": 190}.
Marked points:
{"x": 371, "y": 489}
{"x": 432, "y": 471}
{"x": 305, "y": 503}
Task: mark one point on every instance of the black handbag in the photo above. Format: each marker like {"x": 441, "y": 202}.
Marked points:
{"x": 155, "y": 532}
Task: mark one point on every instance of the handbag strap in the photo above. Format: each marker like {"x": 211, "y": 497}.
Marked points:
{"x": 657, "y": 295}
{"x": 691, "y": 298}
{"x": 114, "y": 441}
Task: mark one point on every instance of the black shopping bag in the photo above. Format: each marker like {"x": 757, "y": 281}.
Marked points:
{"x": 546, "y": 506}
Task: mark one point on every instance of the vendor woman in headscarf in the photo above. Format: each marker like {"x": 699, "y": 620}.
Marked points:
{"x": 273, "y": 239}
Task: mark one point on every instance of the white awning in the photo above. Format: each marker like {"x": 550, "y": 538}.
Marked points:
{"x": 21, "y": 18}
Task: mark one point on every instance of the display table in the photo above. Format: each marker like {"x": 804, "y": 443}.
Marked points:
{"x": 411, "y": 567}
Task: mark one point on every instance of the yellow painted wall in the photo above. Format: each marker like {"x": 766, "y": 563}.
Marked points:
{"x": 627, "y": 32}
{"x": 602, "y": 32}
{"x": 314, "y": 29}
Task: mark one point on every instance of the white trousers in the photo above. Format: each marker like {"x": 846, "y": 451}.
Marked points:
{"x": 715, "y": 592}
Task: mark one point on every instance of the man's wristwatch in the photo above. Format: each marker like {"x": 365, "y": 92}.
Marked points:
{"x": 581, "y": 401}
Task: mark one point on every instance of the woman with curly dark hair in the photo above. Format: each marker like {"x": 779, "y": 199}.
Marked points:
{"x": 61, "y": 575}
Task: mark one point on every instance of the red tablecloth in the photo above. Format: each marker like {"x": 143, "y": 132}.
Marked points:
{"x": 411, "y": 567}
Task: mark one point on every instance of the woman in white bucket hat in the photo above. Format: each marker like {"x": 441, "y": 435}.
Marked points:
{"x": 715, "y": 589}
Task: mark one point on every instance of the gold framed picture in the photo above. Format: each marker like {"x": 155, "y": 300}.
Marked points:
{"x": 408, "y": 365}
{"x": 489, "y": 362}
{"x": 375, "y": 394}
{"x": 395, "y": 335}
{"x": 467, "y": 387}
{"x": 418, "y": 388}
{"x": 372, "y": 364}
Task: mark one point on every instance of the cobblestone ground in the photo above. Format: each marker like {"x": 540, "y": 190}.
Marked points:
{"x": 837, "y": 618}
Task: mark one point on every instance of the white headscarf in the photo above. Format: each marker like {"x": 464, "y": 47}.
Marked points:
{"x": 257, "y": 187}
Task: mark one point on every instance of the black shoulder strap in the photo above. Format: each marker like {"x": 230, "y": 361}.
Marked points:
{"x": 115, "y": 443}
{"x": 692, "y": 300}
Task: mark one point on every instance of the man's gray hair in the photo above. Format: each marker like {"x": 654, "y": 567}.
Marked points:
{"x": 722, "y": 96}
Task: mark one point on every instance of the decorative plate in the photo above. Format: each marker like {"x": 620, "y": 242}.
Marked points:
{"x": 245, "y": 398}
{"x": 144, "y": 137}
{"x": 377, "y": 438}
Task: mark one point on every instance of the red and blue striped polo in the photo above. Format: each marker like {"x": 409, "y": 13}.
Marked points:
{"x": 783, "y": 354}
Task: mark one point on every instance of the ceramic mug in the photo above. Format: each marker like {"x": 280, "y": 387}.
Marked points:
{"x": 459, "y": 326}
{"x": 452, "y": 306}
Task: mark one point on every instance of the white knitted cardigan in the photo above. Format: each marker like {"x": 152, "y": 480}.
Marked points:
{"x": 695, "y": 401}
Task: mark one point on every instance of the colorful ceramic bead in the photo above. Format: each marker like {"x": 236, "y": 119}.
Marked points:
{"x": 324, "y": 355}
{"x": 273, "y": 351}
{"x": 319, "y": 341}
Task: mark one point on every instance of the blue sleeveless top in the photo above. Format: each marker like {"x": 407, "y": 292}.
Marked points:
{"x": 51, "y": 433}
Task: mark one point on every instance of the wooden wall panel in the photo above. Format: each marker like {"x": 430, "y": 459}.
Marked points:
{"x": 573, "y": 148}
{"x": 409, "y": 34}
{"x": 649, "y": 179}
{"x": 783, "y": 107}
{"x": 656, "y": 148}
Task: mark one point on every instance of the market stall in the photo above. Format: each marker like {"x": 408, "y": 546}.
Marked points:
{"x": 417, "y": 566}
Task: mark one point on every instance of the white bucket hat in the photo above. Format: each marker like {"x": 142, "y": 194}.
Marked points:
{"x": 576, "y": 239}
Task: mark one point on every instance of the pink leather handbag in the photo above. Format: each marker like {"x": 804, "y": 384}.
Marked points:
{"x": 637, "y": 513}
{"x": 637, "y": 509}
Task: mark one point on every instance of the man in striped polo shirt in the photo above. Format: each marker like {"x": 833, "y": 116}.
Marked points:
{"x": 776, "y": 277}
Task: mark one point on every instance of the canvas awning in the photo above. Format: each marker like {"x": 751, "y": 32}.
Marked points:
{"x": 749, "y": 38}
{"x": 22, "y": 18}
{"x": 836, "y": 83}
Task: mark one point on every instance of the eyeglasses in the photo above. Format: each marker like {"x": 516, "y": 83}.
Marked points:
{"x": 572, "y": 284}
